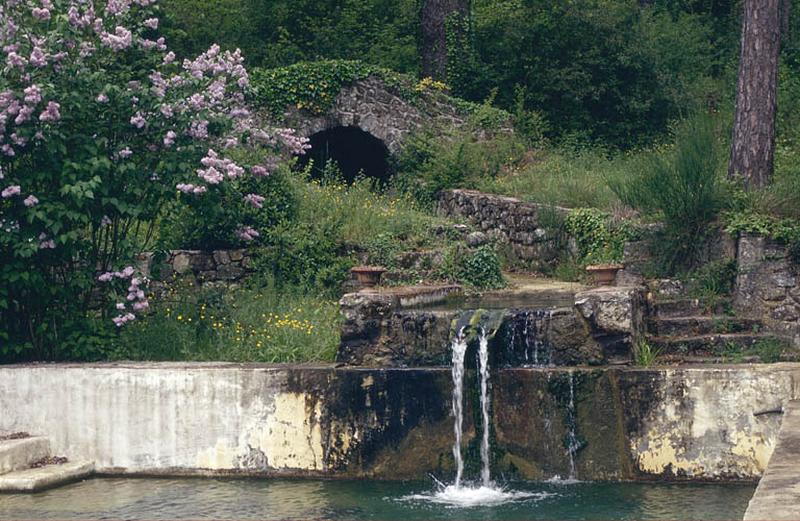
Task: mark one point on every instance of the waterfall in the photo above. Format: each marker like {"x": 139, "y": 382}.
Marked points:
{"x": 572, "y": 438}
{"x": 528, "y": 344}
{"x": 459, "y": 351}
{"x": 483, "y": 364}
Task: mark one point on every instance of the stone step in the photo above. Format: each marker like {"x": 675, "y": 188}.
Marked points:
{"x": 34, "y": 479}
{"x": 706, "y": 345}
{"x": 16, "y": 454}
{"x": 701, "y": 325}
{"x": 689, "y": 307}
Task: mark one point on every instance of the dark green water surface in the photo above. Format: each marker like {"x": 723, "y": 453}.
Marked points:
{"x": 273, "y": 499}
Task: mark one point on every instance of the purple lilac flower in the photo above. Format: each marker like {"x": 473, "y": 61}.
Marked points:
{"x": 254, "y": 200}
{"x": 10, "y": 191}
{"x": 247, "y": 233}
{"x": 51, "y": 113}
{"x": 138, "y": 120}
{"x": 40, "y": 13}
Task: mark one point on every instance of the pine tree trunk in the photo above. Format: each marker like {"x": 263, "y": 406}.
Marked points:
{"x": 753, "y": 141}
{"x": 433, "y": 43}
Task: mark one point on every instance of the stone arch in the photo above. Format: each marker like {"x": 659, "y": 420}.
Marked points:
{"x": 378, "y": 109}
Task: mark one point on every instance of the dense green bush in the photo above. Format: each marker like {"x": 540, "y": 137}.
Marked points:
{"x": 598, "y": 237}
{"x": 478, "y": 268}
{"x": 434, "y": 160}
{"x": 276, "y": 33}
{"x": 614, "y": 72}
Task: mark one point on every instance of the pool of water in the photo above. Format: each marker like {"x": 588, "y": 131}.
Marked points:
{"x": 273, "y": 499}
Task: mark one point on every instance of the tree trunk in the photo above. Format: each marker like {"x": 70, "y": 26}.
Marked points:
{"x": 753, "y": 141}
{"x": 433, "y": 44}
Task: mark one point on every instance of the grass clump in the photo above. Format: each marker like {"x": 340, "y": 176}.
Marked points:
{"x": 645, "y": 354}
{"x": 683, "y": 188}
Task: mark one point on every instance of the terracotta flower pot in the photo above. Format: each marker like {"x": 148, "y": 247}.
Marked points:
{"x": 604, "y": 274}
{"x": 368, "y": 276}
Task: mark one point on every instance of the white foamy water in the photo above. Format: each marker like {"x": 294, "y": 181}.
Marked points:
{"x": 459, "y": 351}
{"x": 558, "y": 480}
{"x": 479, "y": 496}
{"x": 483, "y": 359}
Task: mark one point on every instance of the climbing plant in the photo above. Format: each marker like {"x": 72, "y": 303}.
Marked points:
{"x": 313, "y": 86}
{"x": 598, "y": 238}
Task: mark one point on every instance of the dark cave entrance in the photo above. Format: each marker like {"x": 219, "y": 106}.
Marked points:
{"x": 355, "y": 152}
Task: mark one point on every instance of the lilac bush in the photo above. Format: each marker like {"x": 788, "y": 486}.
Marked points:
{"x": 101, "y": 126}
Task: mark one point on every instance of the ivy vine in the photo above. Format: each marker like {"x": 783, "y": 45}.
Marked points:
{"x": 598, "y": 238}
{"x": 313, "y": 87}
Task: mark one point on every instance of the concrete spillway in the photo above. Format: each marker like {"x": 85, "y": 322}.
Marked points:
{"x": 778, "y": 494}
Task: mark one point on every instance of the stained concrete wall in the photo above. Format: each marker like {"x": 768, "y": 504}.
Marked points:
{"x": 682, "y": 423}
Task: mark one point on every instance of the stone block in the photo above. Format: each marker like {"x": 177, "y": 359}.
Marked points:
{"x": 181, "y": 263}
{"x": 221, "y": 257}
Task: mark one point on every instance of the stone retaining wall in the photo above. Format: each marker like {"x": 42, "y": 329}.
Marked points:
{"x": 692, "y": 423}
{"x": 767, "y": 286}
{"x": 206, "y": 266}
{"x": 525, "y": 227}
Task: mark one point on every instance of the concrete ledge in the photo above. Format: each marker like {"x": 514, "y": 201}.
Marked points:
{"x": 21, "y": 453}
{"x": 31, "y": 480}
{"x": 778, "y": 494}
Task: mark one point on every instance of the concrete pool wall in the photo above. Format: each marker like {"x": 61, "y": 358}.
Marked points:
{"x": 692, "y": 422}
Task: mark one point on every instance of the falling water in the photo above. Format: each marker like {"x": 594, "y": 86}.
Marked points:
{"x": 486, "y": 493}
{"x": 459, "y": 350}
{"x": 483, "y": 363}
{"x": 572, "y": 438}
{"x": 529, "y": 345}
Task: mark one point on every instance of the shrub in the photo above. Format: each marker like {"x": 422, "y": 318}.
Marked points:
{"x": 189, "y": 225}
{"x": 683, "y": 188}
{"x": 434, "y": 160}
{"x": 100, "y": 128}
{"x": 478, "y": 268}
{"x": 306, "y": 255}
{"x": 598, "y": 238}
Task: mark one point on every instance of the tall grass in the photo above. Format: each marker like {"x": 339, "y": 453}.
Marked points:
{"x": 575, "y": 179}
{"x": 246, "y": 325}
{"x": 360, "y": 211}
